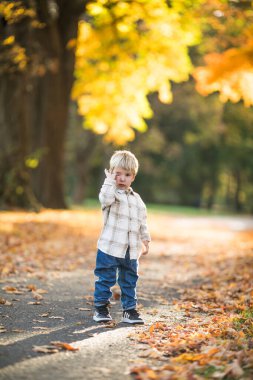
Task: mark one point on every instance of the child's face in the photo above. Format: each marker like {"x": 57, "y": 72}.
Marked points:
{"x": 124, "y": 178}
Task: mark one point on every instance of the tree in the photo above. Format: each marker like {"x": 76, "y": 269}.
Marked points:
{"x": 37, "y": 75}
{"x": 229, "y": 61}
{"x": 238, "y": 156}
{"x": 36, "y": 80}
{"x": 125, "y": 50}
{"x": 182, "y": 151}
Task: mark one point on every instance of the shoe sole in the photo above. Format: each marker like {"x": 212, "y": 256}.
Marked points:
{"x": 102, "y": 320}
{"x": 126, "y": 320}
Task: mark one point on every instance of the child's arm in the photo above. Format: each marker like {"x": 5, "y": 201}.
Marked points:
{"x": 145, "y": 237}
{"x": 107, "y": 192}
{"x": 146, "y": 245}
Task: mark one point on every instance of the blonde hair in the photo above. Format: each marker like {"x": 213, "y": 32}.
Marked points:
{"x": 125, "y": 160}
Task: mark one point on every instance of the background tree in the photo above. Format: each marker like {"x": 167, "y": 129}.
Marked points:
{"x": 228, "y": 51}
{"x": 238, "y": 156}
{"x": 36, "y": 80}
{"x": 124, "y": 51}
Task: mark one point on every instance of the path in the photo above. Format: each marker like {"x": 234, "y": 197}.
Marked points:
{"x": 65, "y": 312}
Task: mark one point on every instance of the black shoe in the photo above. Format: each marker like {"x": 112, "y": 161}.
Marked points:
{"x": 132, "y": 316}
{"x": 102, "y": 314}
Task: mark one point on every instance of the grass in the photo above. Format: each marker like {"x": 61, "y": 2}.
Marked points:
{"x": 159, "y": 208}
{"x": 244, "y": 322}
{"x": 208, "y": 371}
{"x": 184, "y": 210}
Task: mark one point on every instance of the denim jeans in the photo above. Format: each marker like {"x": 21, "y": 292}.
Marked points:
{"x": 109, "y": 270}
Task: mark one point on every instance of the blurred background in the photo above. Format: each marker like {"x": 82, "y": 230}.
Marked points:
{"x": 172, "y": 81}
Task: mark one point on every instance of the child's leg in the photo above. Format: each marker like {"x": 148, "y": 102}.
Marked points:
{"x": 106, "y": 271}
{"x": 127, "y": 280}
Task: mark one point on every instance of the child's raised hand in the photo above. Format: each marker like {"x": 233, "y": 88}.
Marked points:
{"x": 110, "y": 175}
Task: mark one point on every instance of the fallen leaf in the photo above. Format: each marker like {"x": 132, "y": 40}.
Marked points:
{"x": 109, "y": 325}
{"x": 146, "y": 370}
{"x": 40, "y": 327}
{"x": 88, "y": 298}
{"x": 4, "y": 302}
{"x": 34, "y": 303}
{"x": 64, "y": 346}
{"x": 153, "y": 354}
{"x": 18, "y": 330}
{"x": 31, "y": 287}
{"x": 234, "y": 369}
{"x": 37, "y": 296}
{"x": 41, "y": 291}
{"x": 116, "y": 293}
{"x": 45, "y": 349}
{"x": 2, "y": 329}
{"x": 55, "y": 317}
{"x": 12, "y": 289}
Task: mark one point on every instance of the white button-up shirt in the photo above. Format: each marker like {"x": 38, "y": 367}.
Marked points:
{"x": 125, "y": 221}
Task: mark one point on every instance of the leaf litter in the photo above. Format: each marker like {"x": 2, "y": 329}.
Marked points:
{"x": 54, "y": 347}
{"x": 215, "y": 338}
{"x": 210, "y": 266}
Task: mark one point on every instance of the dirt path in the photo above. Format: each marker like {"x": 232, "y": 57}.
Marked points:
{"x": 64, "y": 313}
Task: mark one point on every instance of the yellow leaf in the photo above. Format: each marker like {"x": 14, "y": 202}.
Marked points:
{"x": 32, "y": 163}
{"x": 9, "y": 41}
{"x": 71, "y": 44}
{"x": 124, "y": 53}
{"x": 230, "y": 73}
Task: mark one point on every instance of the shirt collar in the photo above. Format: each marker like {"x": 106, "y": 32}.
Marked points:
{"x": 128, "y": 191}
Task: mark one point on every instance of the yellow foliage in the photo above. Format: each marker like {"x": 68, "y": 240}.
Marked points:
{"x": 32, "y": 163}
{"x": 126, "y": 52}
{"x": 9, "y": 40}
{"x": 14, "y": 11}
{"x": 71, "y": 44}
{"x": 230, "y": 73}
{"x": 13, "y": 54}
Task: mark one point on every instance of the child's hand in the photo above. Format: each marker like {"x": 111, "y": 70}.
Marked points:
{"x": 110, "y": 175}
{"x": 146, "y": 249}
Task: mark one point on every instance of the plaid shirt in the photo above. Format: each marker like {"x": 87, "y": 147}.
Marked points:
{"x": 125, "y": 222}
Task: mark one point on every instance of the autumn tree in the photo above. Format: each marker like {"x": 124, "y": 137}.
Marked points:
{"x": 227, "y": 49}
{"x": 121, "y": 51}
{"x": 36, "y": 79}
{"x": 237, "y": 178}
{"x": 126, "y": 50}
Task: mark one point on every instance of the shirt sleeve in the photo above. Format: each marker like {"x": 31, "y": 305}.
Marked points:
{"x": 107, "y": 195}
{"x": 144, "y": 227}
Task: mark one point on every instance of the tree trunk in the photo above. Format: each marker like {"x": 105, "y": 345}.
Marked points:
{"x": 15, "y": 122}
{"x": 237, "y": 200}
{"x": 14, "y": 144}
{"x": 35, "y": 104}
{"x": 82, "y": 161}
{"x": 53, "y": 104}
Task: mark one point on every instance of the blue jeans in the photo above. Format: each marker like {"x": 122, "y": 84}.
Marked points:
{"x": 109, "y": 269}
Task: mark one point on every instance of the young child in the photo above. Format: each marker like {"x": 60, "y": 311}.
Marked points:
{"x": 124, "y": 236}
